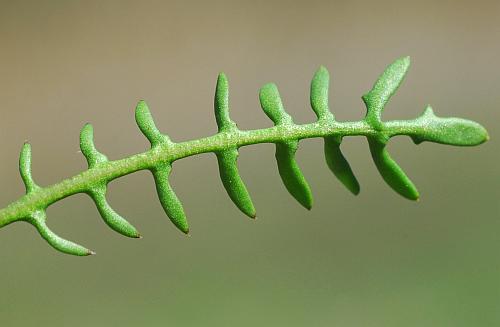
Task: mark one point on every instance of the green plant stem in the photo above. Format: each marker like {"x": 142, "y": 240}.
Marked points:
{"x": 170, "y": 152}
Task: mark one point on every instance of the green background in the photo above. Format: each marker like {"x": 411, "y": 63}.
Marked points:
{"x": 372, "y": 260}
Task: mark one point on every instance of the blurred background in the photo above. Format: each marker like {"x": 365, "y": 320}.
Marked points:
{"x": 371, "y": 260}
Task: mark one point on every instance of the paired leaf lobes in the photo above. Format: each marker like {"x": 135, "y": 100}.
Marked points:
{"x": 38, "y": 217}
{"x": 227, "y": 158}
{"x": 168, "y": 199}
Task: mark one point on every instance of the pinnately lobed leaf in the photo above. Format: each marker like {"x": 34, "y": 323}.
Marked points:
{"x": 225, "y": 144}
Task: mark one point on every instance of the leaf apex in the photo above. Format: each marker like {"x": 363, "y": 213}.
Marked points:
{"x": 355, "y": 190}
{"x": 486, "y": 136}
{"x": 221, "y": 75}
{"x": 268, "y": 87}
{"x": 86, "y": 129}
{"x": 322, "y": 70}
{"x": 141, "y": 107}
{"x": 406, "y": 59}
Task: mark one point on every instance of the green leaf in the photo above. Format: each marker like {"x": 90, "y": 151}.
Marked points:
{"x": 319, "y": 93}
{"x": 147, "y": 125}
{"x": 270, "y": 102}
{"x": 453, "y": 131}
{"x": 291, "y": 174}
{"x": 232, "y": 182}
{"x": 221, "y": 104}
{"x": 110, "y": 216}
{"x": 286, "y": 136}
{"x": 88, "y": 147}
{"x": 385, "y": 86}
{"x": 25, "y": 168}
{"x": 392, "y": 174}
{"x": 38, "y": 219}
{"x": 168, "y": 199}
{"x": 339, "y": 166}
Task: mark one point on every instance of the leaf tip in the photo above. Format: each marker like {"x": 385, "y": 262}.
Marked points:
{"x": 222, "y": 83}
{"x": 221, "y": 77}
{"x": 268, "y": 89}
{"x": 486, "y": 137}
{"x": 25, "y": 154}
{"x": 415, "y": 196}
{"x": 246, "y": 207}
{"x": 322, "y": 70}
{"x": 141, "y": 107}
{"x": 355, "y": 189}
{"x": 249, "y": 209}
{"x": 180, "y": 222}
{"x": 86, "y": 133}
{"x": 306, "y": 201}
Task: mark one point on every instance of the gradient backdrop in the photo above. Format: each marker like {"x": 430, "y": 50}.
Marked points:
{"x": 372, "y": 260}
